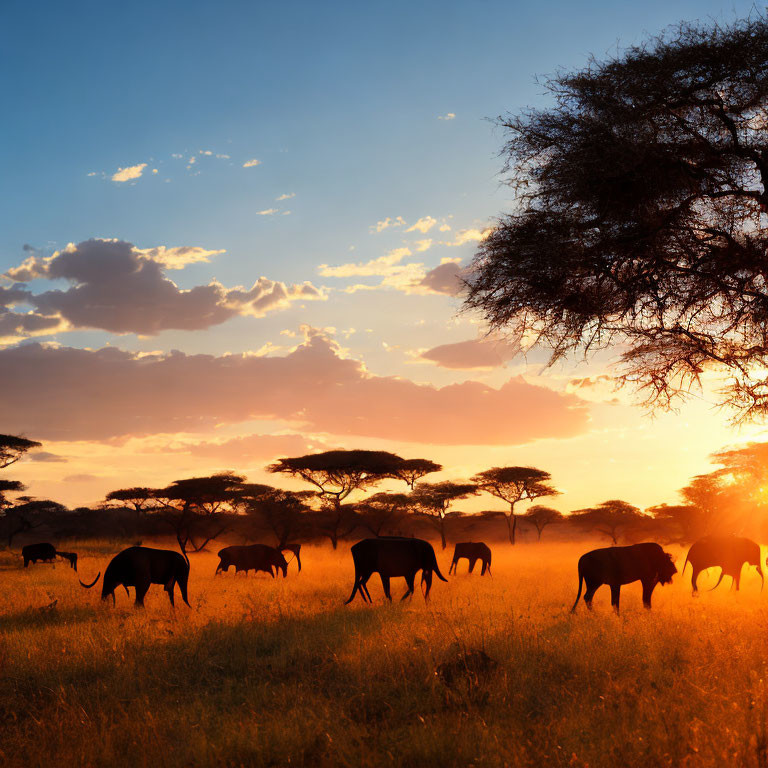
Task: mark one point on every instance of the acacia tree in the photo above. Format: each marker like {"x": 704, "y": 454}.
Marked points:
{"x": 681, "y": 523}
{"x": 412, "y": 470}
{"x": 197, "y": 506}
{"x": 642, "y": 215}
{"x": 12, "y": 448}
{"x": 139, "y": 498}
{"x": 434, "y": 499}
{"x": 611, "y": 518}
{"x": 513, "y": 485}
{"x": 383, "y": 511}
{"x": 540, "y": 517}
{"x": 335, "y": 475}
{"x": 283, "y": 512}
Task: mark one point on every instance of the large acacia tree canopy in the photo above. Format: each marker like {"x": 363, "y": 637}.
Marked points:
{"x": 642, "y": 215}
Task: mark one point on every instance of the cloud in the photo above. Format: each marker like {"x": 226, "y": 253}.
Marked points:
{"x": 380, "y": 226}
{"x": 476, "y": 354}
{"x": 61, "y": 393}
{"x": 46, "y": 457}
{"x": 251, "y": 163}
{"x": 286, "y": 196}
{"x": 469, "y": 236}
{"x": 129, "y": 173}
{"x": 384, "y": 265}
{"x": 423, "y": 225}
{"x": 250, "y": 448}
{"x": 179, "y": 257}
{"x": 447, "y": 116}
{"x": 117, "y": 287}
{"x": 267, "y": 212}
{"x": 423, "y": 245}
{"x": 81, "y": 478}
{"x": 445, "y": 278}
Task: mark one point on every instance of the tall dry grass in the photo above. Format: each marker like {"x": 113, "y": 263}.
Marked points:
{"x": 262, "y": 672}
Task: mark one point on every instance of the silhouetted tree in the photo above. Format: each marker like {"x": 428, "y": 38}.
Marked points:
{"x": 12, "y": 448}
{"x": 540, "y": 517}
{"x": 412, "y": 470}
{"x": 197, "y": 505}
{"x": 610, "y": 518}
{"x": 513, "y": 485}
{"x": 383, "y": 511}
{"x": 29, "y": 513}
{"x": 6, "y": 487}
{"x": 335, "y": 475}
{"x": 138, "y": 498}
{"x": 681, "y": 523}
{"x": 642, "y": 202}
{"x": 716, "y": 498}
{"x": 433, "y": 500}
{"x": 283, "y": 512}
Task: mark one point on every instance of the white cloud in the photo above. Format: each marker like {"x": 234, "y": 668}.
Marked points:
{"x": 287, "y": 196}
{"x": 129, "y": 173}
{"x": 93, "y": 173}
{"x": 267, "y": 212}
{"x": 204, "y": 152}
{"x": 222, "y": 157}
{"x": 384, "y": 265}
{"x": 179, "y": 257}
{"x": 447, "y": 116}
{"x": 469, "y": 235}
{"x": 380, "y": 226}
{"x": 423, "y": 245}
{"x": 251, "y": 163}
{"x": 423, "y": 225}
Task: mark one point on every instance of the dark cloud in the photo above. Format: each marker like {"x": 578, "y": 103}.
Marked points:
{"x": 116, "y": 287}
{"x": 445, "y": 278}
{"x": 474, "y": 354}
{"x": 61, "y": 393}
{"x": 46, "y": 457}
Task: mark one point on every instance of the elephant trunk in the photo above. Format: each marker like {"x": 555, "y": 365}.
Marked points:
{"x": 762, "y": 577}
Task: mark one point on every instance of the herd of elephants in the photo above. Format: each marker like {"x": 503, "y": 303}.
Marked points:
{"x": 396, "y": 556}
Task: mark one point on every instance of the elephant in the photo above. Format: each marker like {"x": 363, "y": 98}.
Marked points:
{"x": 43, "y": 551}
{"x": 647, "y": 563}
{"x": 141, "y": 566}
{"x": 70, "y": 556}
{"x": 296, "y": 549}
{"x": 727, "y": 552}
{"x": 255, "y": 557}
{"x": 473, "y": 551}
{"x": 393, "y": 556}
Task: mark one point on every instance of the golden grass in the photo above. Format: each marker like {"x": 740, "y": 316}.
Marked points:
{"x": 279, "y": 673}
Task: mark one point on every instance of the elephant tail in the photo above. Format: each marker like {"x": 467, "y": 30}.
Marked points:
{"x": 88, "y": 586}
{"x": 435, "y": 567}
{"x": 182, "y": 547}
{"x": 685, "y": 563}
{"x": 578, "y": 597}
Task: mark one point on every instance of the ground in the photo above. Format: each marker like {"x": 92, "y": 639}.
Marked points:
{"x": 276, "y": 673}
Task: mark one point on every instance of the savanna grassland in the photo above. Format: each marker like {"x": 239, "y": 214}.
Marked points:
{"x": 262, "y": 672}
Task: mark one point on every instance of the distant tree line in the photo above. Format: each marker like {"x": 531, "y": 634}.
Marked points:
{"x": 341, "y": 503}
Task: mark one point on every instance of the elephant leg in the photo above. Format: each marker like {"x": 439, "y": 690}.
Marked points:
{"x": 385, "y": 584}
{"x": 364, "y": 588}
{"x": 484, "y": 568}
{"x": 647, "y": 592}
{"x": 694, "y": 578}
{"x": 589, "y": 594}
{"x": 141, "y": 591}
{"x": 409, "y": 581}
{"x": 452, "y": 567}
{"x": 615, "y": 595}
{"x": 169, "y": 589}
{"x": 426, "y": 577}
{"x": 472, "y": 562}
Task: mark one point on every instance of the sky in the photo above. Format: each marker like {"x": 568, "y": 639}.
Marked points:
{"x": 231, "y": 232}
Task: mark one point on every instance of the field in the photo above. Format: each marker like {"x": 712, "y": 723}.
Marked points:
{"x": 276, "y": 673}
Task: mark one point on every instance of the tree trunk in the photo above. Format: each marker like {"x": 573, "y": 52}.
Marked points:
{"x": 540, "y": 531}
{"x": 442, "y": 534}
{"x": 512, "y": 527}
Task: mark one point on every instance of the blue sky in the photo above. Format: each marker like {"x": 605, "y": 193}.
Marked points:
{"x": 356, "y": 112}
